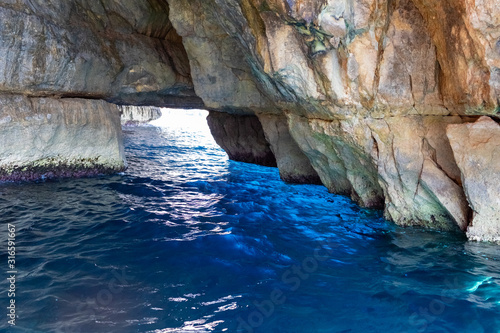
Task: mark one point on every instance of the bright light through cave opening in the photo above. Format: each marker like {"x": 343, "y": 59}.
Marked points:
{"x": 194, "y": 120}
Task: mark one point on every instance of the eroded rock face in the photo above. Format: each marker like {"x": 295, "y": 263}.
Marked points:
{"x": 337, "y": 57}
{"x": 340, "y": 153}
{"x": 293, "y": 164}
{"x": 368, "y": 88}
{"x": 476, "y": 147}
{"x": 132, "y": 115}
{"x": 46, "y": 138}
{"x": 417, "y": 172}
{"x": 404, "y": 164}
{"x": 120, "y": 51}
{"x": 242, "y": 137}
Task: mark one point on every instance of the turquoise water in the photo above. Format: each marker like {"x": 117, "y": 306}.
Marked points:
{"x": 187, "y": 241}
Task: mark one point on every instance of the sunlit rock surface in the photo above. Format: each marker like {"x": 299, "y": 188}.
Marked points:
{"x": 46, "y": 138}
{"x": 476, "y": 147}
{"x": 343, "y": 57}
{"x": 403, "y": 163}
{"x": 368, "y": 88}
{"x": 418, "y": 173}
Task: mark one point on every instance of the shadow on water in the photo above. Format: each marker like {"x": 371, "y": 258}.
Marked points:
{"x": 187, "y": 241}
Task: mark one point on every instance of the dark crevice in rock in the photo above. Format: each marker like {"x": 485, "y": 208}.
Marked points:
{"x": 294, "y": 165}
{"x": 242, "y": 137}
{"x": 439, "y": 77}
{"x": 375, "y": 149}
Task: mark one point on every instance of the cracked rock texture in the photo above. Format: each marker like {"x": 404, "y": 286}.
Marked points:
{"x": 120, "y": 51}
{"x": 357, "y": 92}
{"x": 60, "y": 60}
{"x": 293, "y": 164}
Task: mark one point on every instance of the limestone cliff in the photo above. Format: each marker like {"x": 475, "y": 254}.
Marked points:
{"x": 45, "y": 138}
{"x": 60, "y": 62}
{"x": 372, "y": 97}
{"x": 133, "y": 115}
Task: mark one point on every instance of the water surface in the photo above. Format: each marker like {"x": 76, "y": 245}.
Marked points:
{"x": 187, "y": 241}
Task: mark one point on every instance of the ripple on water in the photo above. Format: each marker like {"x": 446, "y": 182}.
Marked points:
{"x": 187, "y": 241}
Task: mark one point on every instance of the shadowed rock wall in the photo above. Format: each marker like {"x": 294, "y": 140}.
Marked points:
{"x": 119, "y": 51}
{"x": 242, "y": 137}
{"x": 293, "y": 164}
{"x": 60, "y": 62}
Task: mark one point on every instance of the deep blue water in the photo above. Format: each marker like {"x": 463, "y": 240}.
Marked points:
{"x": 187, "y": 241}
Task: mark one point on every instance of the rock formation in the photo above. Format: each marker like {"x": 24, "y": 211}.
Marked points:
{"x": 242, "y": 137}
{"x": 133, "y": 115}
{"x": 45, "y": 137}
{"x": 56, "y": 53}
{"x": 293, "y": 164}
{"x": 122, "y": 52}
{"x": 374, "y": 97}
{"x": 368, "y": 89}
{"x": 477, "y": 152}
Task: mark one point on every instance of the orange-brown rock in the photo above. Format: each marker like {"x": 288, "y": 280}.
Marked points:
{"x": 368, "y": 88}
